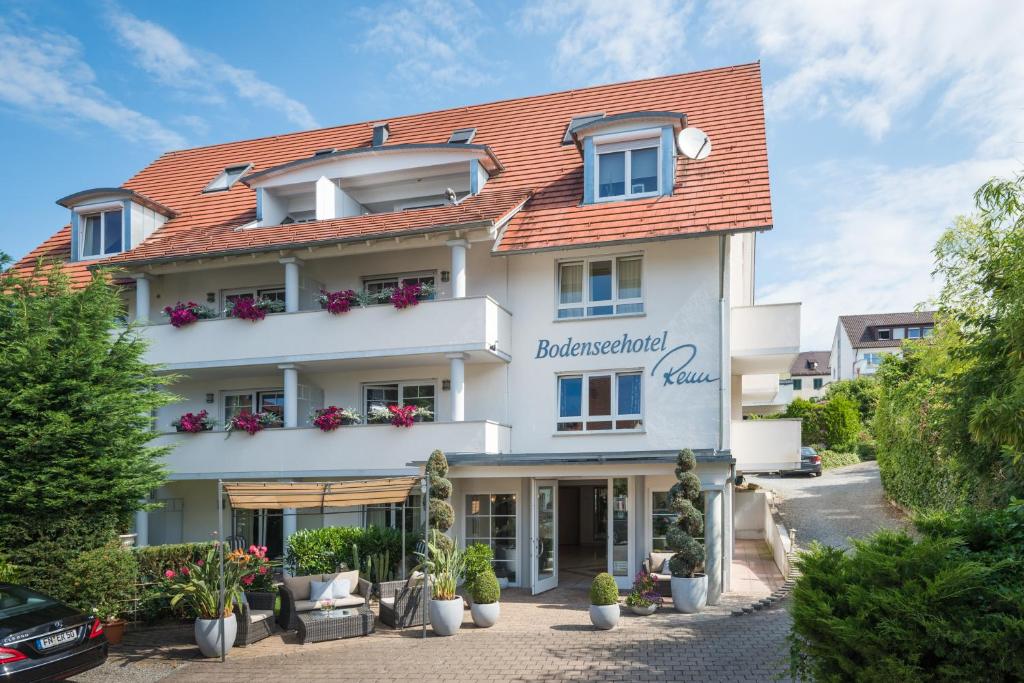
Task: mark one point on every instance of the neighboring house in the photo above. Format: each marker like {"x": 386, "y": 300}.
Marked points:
{"x": 810, "y": 374}
{"x": 860, "y": 341}
{"x": 591, "y": 313}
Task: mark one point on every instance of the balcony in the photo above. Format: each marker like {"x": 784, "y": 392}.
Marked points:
{"x": 764, "y": 339}
{"x": 477, "y": 326}
{"x": 766, "y": 391}
{"x": 766, "y": 445}
{"x": 356, "y": 450}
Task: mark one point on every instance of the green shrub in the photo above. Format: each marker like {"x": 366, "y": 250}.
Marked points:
{"x": 8, "y": 572}
{"x": 322, "y": 551}
{"x": 485, "y": 588}
{"x": 867, "y": 447}
{"x": 103, "y": 579}
{"x": 830, "y": 459}
{"x": 442, "y": 516}
{"x": 154, "y": 560}
{"x": 603, "y": 590}
{"x": 862, "y": 391}
{"x": 478, "y": 557}
{"x": 949, "y": 607}
{"x": 689, "y": 553}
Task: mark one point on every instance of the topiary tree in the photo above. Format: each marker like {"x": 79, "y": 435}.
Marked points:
{"x": 485, "y": 588}
{"x": 603, "y": 590}
{"x": 442, "y": 516}
{"x": 689, "y": 552}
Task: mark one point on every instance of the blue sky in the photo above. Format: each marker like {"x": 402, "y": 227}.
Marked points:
{"x": 883, "y": 118}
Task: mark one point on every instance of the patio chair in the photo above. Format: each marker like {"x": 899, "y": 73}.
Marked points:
{"x": 654, "y": 565}
{"x": 401, "y": 602}
{"x": 294, "y": 593}
{"x": 253, "y": 624}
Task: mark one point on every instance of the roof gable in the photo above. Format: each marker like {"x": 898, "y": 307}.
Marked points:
{"x": 858, "y": 328}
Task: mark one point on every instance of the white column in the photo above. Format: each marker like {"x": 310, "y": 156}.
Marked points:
{"x": 291, "y": 395}
{"x": 141, "y": 298}
{"x": 458, "y": 386}
{"x": 288, "y": 525}
{"x": 141, "y": 528}
{"x": 458, "y": 267}
{"x": 291, "y": 283}
{"x": 713, "y": 543}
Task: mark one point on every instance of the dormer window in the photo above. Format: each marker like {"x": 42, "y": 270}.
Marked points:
{"x": 884, "y": 334}
{"x": 228, "y": 177}
{"x": 627, "y": 170}
{"x": 101, "y": 233}
{"x": 462, "y": 136}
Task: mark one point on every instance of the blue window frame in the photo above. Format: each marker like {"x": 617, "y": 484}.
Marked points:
{"x": 600, "y": 402}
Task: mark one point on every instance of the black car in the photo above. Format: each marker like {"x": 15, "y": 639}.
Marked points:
{"x": 810, "y": 461}
{"x": 42, "y": 639}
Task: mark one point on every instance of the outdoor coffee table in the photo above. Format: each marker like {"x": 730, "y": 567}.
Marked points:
{"x": 316, "y": 626}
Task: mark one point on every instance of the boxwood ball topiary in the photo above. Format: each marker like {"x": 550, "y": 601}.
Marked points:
{"x": 688, "y": 557}
{"x": 437, "y": 464}
{"x": 686, "y": 461}
{"x": 442, "y": 516}
{"x": 603, "y": 590}
{"x": 486, "y": 589}
{"x": 440, "y": 488}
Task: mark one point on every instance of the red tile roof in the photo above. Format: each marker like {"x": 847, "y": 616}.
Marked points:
{"x": 726, "y": 192}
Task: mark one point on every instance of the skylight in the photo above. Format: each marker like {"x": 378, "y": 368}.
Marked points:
{"x": 228, "y": 177}
{"x": 325, "y": 151}
{"x": 462, "y": 136}
{"x": 579, "y": 120}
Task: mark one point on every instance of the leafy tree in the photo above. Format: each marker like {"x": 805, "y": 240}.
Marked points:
{"x": 76, "y": 401}
{"x": 833, "y": 424}
{"x": 863, "y": 391}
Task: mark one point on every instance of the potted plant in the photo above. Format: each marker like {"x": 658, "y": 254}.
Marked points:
{"x": 182, "y": 314}
{"x": 193, "y": 423}
{"x": 445, "y": 564}
{"x": 644, "y": 599}
{"x": 258, "y": 583}
{"x": 604, "y": 602}
{"x": 409, "y": 294}
{"x": 689, "y": 588}
{"x": 330, "y": 418}
{"x": 196, "y": 586}
{"x": 109, "y": 615}
{"x": 399, "y": 416}
{"x": 251, "y": 423}
{"x": 252, "y": 309}
{"x": 338, "y": 302}
{"x": 486, "y": 592}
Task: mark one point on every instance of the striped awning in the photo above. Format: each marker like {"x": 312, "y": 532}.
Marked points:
{"x": 251, "y": 495}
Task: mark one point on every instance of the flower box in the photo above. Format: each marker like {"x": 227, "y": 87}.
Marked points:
{"x": 399, "y": 416}
{"x": 330, "y": 418}
{"x": 248, "y": 308}
{"x": 338, "y": 302}
{"x": 193, "y": 423}
{"x": 251, "y": 423}
{"x": 182, "y": 314}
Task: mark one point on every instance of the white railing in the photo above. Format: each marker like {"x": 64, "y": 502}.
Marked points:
{"x": 356, "y": 450}
{"x": 766, "y": 445}
{"x": 476, "y": 325}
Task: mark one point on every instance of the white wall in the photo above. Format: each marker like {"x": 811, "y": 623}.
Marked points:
{"x": 807, "y": 390}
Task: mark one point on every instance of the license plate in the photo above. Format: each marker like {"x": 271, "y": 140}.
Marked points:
{"x": 47, "y": 642}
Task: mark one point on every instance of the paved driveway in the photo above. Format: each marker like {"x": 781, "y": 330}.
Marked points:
{"x": 843, "y": 502}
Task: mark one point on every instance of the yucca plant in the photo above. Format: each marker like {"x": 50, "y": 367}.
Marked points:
{"x": 446, "y": 564}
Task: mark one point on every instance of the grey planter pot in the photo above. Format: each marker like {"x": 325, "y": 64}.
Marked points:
{"x": 690, "y": 595}
{"x": 605, "y": 617}
{"x": 485, "y": 616}
{"x": 207, "y": 633}
{"x": 446, "y": 616}
{"x": 643, "y": 611}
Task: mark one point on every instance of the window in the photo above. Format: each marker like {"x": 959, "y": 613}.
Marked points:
{"x": 491, "y": 520}
{"x": 627, "y": 170}
{"x": 884, "y": 334}
{"x": 872, "y": 358}
{"x": 462, "y": 136}
{"x": 926, "y": 332}
{"x": 898, "y": 332}
{"x": 378, "y": 285}
{"x": 601, "y": 286}
{"x": 300, "y": 217}
{"x": 228, "y": 177}
{"x": 239, "y": 402}
{"x": 914, "y": 333}
{"x": 420, "y": 394}
{"x": 818, "y": 383}
{"x": 662, "y": 517}
{"x": 798, "y": 384}
{"x": 599, "y": 401}
{"x": 101, "y": 233}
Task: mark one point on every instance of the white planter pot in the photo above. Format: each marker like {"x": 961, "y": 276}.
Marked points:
{"x": 208, "y": 635}
{"x": 485, "y": 616}
{"x": 605, "y": 617}
{"x": 690, "y": 595}
{"x": 446, "y": 616}
{"x": 643, "y": 611}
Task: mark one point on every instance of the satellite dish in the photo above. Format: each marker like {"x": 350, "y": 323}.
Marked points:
{"x": 694, "y": 143}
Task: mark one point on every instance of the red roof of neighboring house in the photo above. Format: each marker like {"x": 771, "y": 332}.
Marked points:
{"x": 726, "y": 192}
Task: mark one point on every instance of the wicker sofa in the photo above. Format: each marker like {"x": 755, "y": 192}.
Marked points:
{"x": 655, "y": 566}
{"x": 401, "y": 602}
{"x": 294, "y": 592}
{"x": 253, "y": 624}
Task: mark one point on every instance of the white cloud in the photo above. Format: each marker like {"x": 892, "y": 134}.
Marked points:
{"x": 43, "y": 73}
{"x": 435, "y": 42}
{"x": 181, "y": 67}
{"x": 610, "y": 40}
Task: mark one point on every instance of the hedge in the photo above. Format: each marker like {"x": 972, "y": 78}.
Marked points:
{"x": 831, "y": 459}
{"x": 154, "y": 560}
{"x": 321, "y": 551}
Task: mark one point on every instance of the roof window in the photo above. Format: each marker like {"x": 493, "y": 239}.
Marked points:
{"x": 325, "y": 151}
{"x": 578, "y": 121}
{"x": 381, "y": 133}
{"x": 228, "y": 177}
{"x": 462, "y": 136}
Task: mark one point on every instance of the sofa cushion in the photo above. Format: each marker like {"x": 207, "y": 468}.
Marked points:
{"x": 658, "y": 561}
{"x": 661, "y": 577}
{"x": 350, "y": 601}
{"x": 299, "y": 585}
{"x": 321, "y": 590}
{"x": 258, "y": 615}
{"x": 352, "y": 577}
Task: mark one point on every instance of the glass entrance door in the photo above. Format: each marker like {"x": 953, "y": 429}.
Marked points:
{"x": 544, "y": 535}
{"x": 620, "y": 505}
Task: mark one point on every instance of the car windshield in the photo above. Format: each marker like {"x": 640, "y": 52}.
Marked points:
{"x": 807, "y": 450}
{"x": 16, "y": 600}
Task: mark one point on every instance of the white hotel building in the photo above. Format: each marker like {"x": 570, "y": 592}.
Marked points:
{"x": 593, "y": 313}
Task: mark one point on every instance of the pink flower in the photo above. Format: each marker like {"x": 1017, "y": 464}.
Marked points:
{"x": 184, "y": 571}
{"x": 169, "y": 574}
{"x": 247, "y": 580}
{"x": 253, "y": 549}
{"x": 263, "y": 569}
{"x": 200, "y": 562}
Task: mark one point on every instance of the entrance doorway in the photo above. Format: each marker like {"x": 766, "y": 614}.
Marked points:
{"x": 261, "y": 527}
{"x": 582, "y": 530}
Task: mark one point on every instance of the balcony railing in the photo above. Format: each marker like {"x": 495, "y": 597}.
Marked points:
{"x": 476, "y": 325}
{"x": 766, "y": 445}
{"x": 356, "y": 450}
{"x": 764, "y": 338}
